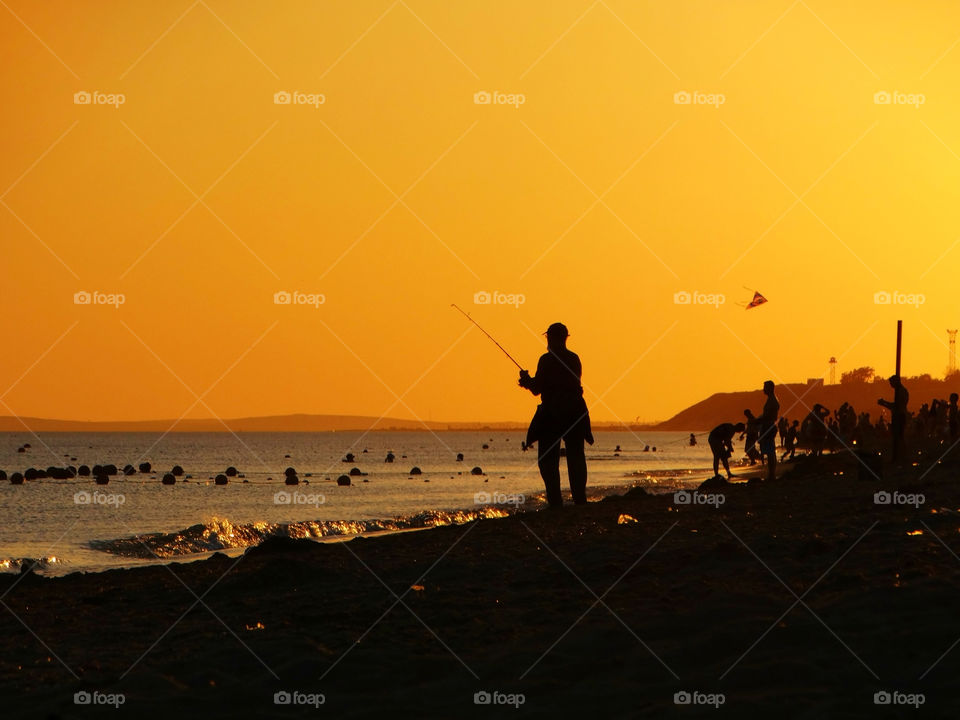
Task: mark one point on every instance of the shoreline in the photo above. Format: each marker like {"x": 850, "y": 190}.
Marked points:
{"x": 686, "y": 591}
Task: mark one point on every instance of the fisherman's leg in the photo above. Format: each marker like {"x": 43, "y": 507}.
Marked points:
{"x": 577, "y": 469}
{"x": 548, "y": 459}
{"x": 716, "y": 464}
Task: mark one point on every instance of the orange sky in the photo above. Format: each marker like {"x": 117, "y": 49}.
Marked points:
{"x": 596, "y": 199}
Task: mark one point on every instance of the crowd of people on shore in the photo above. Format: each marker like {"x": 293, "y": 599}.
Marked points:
{"x": 841, "y": 429}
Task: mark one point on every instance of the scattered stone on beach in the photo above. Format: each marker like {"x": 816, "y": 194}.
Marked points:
{"x": 129, "y": 470}
{"x": 102, "y": 479}
{"x": 416, "y": 471}
{"x": 220, "y": 479}
{"x": 83, "y": 471}
{"x": 177, "y": 471}
{"x": 169, "y": 479}
{"x": 231, "y": 471}
{"x": 21, "y": 450}
{"x": 16, "y": 479}
{"x": 3, "y": 474}
{"x": 30, "y": 474}
{"x": 145, "y": 467}
{"x": 343, "y": 480}
{"x": 486, "y": 447}
{"x": 356, "y": 472}
{"x": 717, "y": 482}
{"x": 477, "y": 471}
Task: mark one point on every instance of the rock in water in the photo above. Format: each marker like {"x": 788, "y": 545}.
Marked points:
{"x": 343, "y": 480}
{"x": 220, "y": 479}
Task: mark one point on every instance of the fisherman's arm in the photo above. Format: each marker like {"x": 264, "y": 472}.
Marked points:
{"x": 531, "y": 383}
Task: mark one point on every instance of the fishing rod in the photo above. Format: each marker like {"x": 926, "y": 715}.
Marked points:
{"x": 467, "y": 315}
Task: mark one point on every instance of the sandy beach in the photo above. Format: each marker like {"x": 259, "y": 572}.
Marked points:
{"x": 800, "y": 598}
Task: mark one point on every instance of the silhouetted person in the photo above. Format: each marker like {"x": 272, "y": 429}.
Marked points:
{"x": 953, "y": 415}
{"x": 768, "y": 429}
{"x": 720, "y": 440}
{"x": 693, "y": 440}
{"x": 753, "y": 432}
{"x": 561, "y": 415}
{"x": 790, "y": 444}
{"x": 898, "y": 415}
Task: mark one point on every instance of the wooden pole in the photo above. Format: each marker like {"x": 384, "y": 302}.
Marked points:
{"x": 899, "y": 342}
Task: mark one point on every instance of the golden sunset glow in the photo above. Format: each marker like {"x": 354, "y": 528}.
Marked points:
{"x": 592, "y": 193}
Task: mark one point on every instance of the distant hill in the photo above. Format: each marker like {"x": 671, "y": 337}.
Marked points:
{"x": 729, "y": 407}
{"x": 276, "y": 423}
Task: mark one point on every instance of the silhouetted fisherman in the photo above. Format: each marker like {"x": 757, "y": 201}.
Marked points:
{"x": 898, "y": 415}
{"x": 768, "y": 429}
{"x": 561, "y": 415}
{"x": 720, "y": 440}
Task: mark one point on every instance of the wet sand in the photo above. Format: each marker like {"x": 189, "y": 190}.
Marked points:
{"x": 692, "y": 598}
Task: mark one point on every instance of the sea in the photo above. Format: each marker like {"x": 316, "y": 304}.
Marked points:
{"x": 56, "y": 527}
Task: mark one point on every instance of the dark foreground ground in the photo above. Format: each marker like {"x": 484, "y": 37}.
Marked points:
{"x": 797, "y": 599}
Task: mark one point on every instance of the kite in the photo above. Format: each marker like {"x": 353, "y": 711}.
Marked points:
{"x": 757, "y": 300}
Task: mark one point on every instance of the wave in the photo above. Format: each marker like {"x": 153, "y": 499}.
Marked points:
{"x": 221, "y": 534}
{"x": 20, "y": 565}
